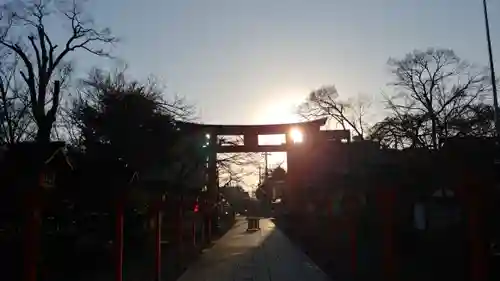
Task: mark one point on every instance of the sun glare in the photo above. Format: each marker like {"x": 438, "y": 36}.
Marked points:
{"x": 296, "y": 135}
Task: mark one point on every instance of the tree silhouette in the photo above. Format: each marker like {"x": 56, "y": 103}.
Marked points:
{"x": 129, "y": 117}
{"x": 24, "y": 34}
{"x": 348, "y": 114}
{"x": 131, "y": 127}
{"x": 439, "y": 96}
{"x": 16, "y": 124}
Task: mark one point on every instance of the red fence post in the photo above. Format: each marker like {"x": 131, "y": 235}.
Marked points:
{"x": 209, "y": 228}
{"x": 210, "y": 219}
{"x": 31, "y": 237}
{"x": 194, "y": 234}
{"x": 196, "y": 215}
{"x": 202, "y": 231}
{"x": 351, "y": 204}
{"x": 353, "y": 246}
{"x": 180, "y": 232}
{"x": 158, "y": 240}
{"x": 472, "y": 199}
{"x": 387, "y": 200}
{"x": 119, "y": 239}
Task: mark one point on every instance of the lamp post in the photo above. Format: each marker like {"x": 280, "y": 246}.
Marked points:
{"x": 492, "y": 69}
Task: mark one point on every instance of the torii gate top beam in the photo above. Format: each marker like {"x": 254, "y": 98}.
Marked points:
{"x": 250, "y": 134}
{"x": 272, "y": 129}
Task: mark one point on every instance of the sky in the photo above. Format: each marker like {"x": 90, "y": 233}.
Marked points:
{"x": 253, "y": 61}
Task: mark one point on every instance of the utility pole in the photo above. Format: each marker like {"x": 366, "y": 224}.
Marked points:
{"x": 492, "y": 71}
{"x": 265, "y": 163}
{"x": 260, "y": 176}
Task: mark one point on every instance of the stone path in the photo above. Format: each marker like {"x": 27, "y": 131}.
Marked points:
{"x": 264, "y": 255}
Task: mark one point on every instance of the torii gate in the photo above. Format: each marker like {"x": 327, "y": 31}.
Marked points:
{"x": 296, "y": 155}
{"x": 295, "y": 151}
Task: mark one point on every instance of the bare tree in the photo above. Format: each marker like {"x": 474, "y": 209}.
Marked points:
{"x": 348, "y": 114}
{"x": 24, "y": 33}
{"x": 16, "y": 123}
{"x": 398, "y": 132}
{"x": 235, "y": 167}
{"x": 436, "y": 92}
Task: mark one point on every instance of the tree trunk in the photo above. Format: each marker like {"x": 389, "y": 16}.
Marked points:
{"x": 45, "y": 120}
{"x": 434, "y": 133}
{"x": 44, "y": 129}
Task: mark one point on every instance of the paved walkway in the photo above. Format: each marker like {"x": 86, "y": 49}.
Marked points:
{"x": 265, "y": 255}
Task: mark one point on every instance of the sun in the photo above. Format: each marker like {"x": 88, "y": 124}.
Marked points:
{"x": 296, "y": 135}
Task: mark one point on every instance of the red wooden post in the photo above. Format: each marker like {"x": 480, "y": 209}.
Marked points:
{"x": 180, "y": 231}
{"x": 387, "y": 200}
{"x": 203, "y": 231}
{"x": 471, "y": 198}
{"x": 195, "y": 210}
{"x": 352, "y": 206}
{"x": 209, "y": 228}
{"x": 207, "y": 220}
{"x": 158, "y": 241}
{"x": 478, "y": 255}
{"x": 31, "y": 237}
{"x": 352, "y": 231}
{"x": 119, "y": 240}
{"x": 194, "y": 234}
{"x": 210, "y": 215}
